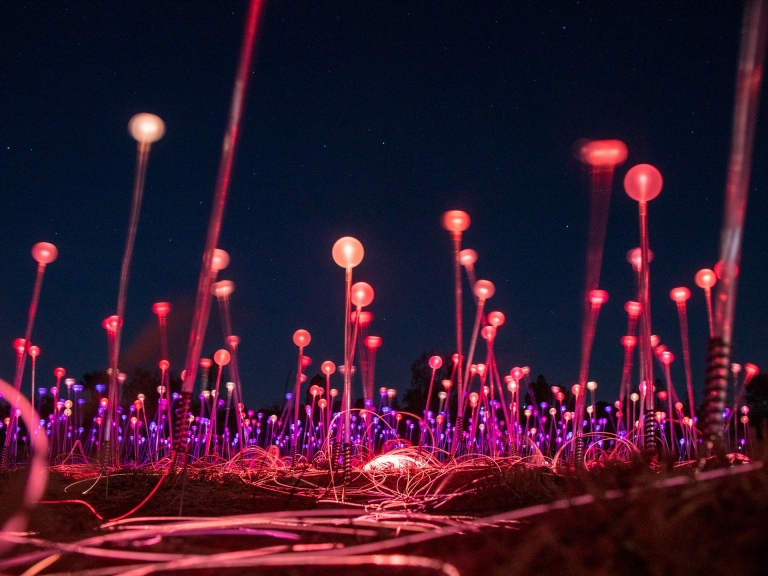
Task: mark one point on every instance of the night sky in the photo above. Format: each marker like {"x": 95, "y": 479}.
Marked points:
{"x": 367, "y": 119}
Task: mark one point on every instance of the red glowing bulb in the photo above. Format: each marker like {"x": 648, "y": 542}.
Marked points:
{"x": 654, "y": 340}
{"x": 576, "y": 389}
{"x": 489, "y": 333}
{"x": 365, "y": 317}
{"x": 222, "y": 288}
{"x": 233, "y": 341}
{"x": 751, "y": 369}
{"x": 666, "y": 357}
{"x": 205, "y": 363}
{"x": 146, "y": 128}
{"x": 643, "y": 183}
{"x": 348, "y": 252}
{"x": 484, "y": 289}
{"x": 221, "y": 357}
{"x": 718, "y": 270}
{"x": 361, "y": 294}
{"x": 680, "y": 295}
{"x": 456, "y": 221}
{"x": 455, "y": 358}
{"x": 598, "y": 297}
{"x": 220, "y": 260}
{"x": 517, "y": 373}
{"x": 112, "y": 323}
{"x": 467, "y": 257}
{"x": 34, "y": 351}
{"x": 161, "y": 308}
{"x": 301, "y": 338}
{"x": 44, "y": 253}
{"x": 496, "y": 319}
{"x": 632, "y": 308}
{"x": 305, "y": 361}
{"x": 705, "y": 278}
{"x": 628, "y": 341}
{"x": 604, "y": 153}
{"x": 59, "y": 373}
{"x": 635, "y": 257}
{"x": 662, "y": 395}
{"x": 328, "y": 367}
{"x": 372, "y": 342}
{"x": 163, "y": 365}
{"x": 19, "y": 344}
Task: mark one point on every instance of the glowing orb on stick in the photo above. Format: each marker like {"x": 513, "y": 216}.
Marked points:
{"x": 301, "y": 338}
{"x": 146, "y": 128}
{"x": 44, "y": 253}
{"x": 604, "y": 153}
{"x": 456, "y": 221}
{"x": 643, "y": 183}
{"x": 680, "y": 294}
{"x": 348, "y": 252}
{"x": 361, "y": 294}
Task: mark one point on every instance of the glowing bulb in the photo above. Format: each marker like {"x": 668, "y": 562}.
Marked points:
{"x": 705, "y": 278}
{"x": 34, "y": 351}
{"x": 751, "y": 369}
{"x": 222, "y": 288}
{"x": 372, "y": 342}
{"x": 146, "y": 128}
{"x": 435, "y": 362}
{"x": 517, "y": 373}
{"x": 322, "y": 403}
{"x": 467, "y": 257}
{"x": 348, "y": 252}
{"x": 19, "y": 344}
{"x": 592, "y": 386}
{"x": 69, "y": 382}
{"x": 305, "y": 360}
{"x": 481, "y": 369}
{"x": 680, "y": 294}
{"x": 654, "y": 340}
{"x": 59, "y": 373}
{"x": 220, "y": 260}
{"x": 718, "y": 270}
{"x": 328, "y": 367}
{"x": 44, "y": 253}
{"x": 628, "y": 341}
{"x": 604, "y": 153}
{"x": 666, "y": 357}
{"x": 496, "y": 319}
{"x": 391, "y": 392}
{"x": 632, "y": 308}
{"x": 635, "y": 257}
{"x": 447, "y": 384}
{"x": 205, "y": 363}
{"x": 334, "y": 392}
{"x": 221, "y": 357}
{"x": 361, "y": 294}
{"x": 474, "y": 398}
{"x": 634, "y": 397}
{"x": 484, "y": 289}
{"x": 576, "y": 389}
{"x": 161, "y": 308}
{"x": 442, "y": 395}
{"x": 456, "y": 221}
{"x": 163, "y": 365}
{"x": 488, "y": 333}
{"x": 598, "y": 297}
{"x": 230, "y": 386}
{"x": 301, "y": 338}
{"x": 643, "y": 183}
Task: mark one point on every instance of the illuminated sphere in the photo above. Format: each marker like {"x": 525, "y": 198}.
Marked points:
{"x": 59, "y": 373}
{"x": 391, "y": 392}
{"x": 322, "y": 403}
{"x": 467, "y": 257}
{"x": 632, "y": 308}
{"x": 481, "y": 369}
{"x": 447, "y": 384}
{"x": 161, "y": 308}
{"x": 163, "y": 365}
{"x": 230, "y": 386}
{"x": 301, "y": 338}
{"x": 751, "y": 369}
{"x": 489, "y": 333}
{"x": 635, "y": 257}
{"x": 348, "y": 252}
{"x": 680, "y": 294}
{"x": 654, "y": 340}
{"x": 328, "y": 367}
{"x": 221, "y": 357}
{"x": 484, "y": 289}
{"x": 496, "y": 319}
{"x": 456, "y": 221}
{"x": 305, "y": 361}
{"x": 205, "y": 363}
{"x": 576, "y": 389}
{"x": 233, "y": 341}
{"x": 718, "y": 270}
{"x": 604, "y": 153}
{"x": 473, "y": 399}
{"x": 526, "y": 370}
{"x": 598, "y": 297}
{"x": 315, "y": 390}
{"x": 591, "y": 386}
{"x": 643, "y": 183}
{"x": 517, "y": 373}
{"x": 473, "y": 369}
{"x": 112, "y": 323}
{"x": 19, "y": 344}
{"x": 121, "y": 376}
{"x": 361, "y": 294}
{"x": 735, "y": 368}
{"x": 44, "y": 252}
{"x": 34, "y": 351}
{"x": 222, "y": 288}
{"x": 628, "y": 341}
{"x": 146, "y": 128}
{"x": 455, "y": 358}
{"x": 666, "y": 357}
{"x": 705, "y": 278}
{"x": 372, "y": 342}
{"x": 442, "y": 395}
{"x": 220, "y": 260}
{"x": 69, "y": 382}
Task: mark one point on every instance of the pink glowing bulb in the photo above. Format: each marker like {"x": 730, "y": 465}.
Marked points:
{"x": 473, "y": 369}
{"x": 751, "y": 369}
{"x": 232, "y": 341}
{"x": 735, "y": 368}
{"x": 322, "y": 403}
{"x": 44, "y": 253}
{"x": 643, "y": 183}
{"x": 481, "y": 369}
{"x": 467, "y": 257}
{"x": 517, "y": 373}
{"x": 484, "y": 289}
{"x": 372, "y": 342}
{"x": 19, "y": 344}
{"x": 447, "y": 384}
{"x": 365, "y": 317}
{"x": 315, "y": 390}
{"x": 680, "y": 295}
{"x": 454, "y": 358}
{"x": 489, "y": 333}
{"x": 560, "y": 396}
{"x": 632, "y": 308}
{"x": 334, "y": 392}
{"x": 328, "y": 367}
{"x": 163, "y": 365}
{"x": 301, "y": 338}
{"x": 305, "y": 361}
{"x": 598, "y": 297}
{"x": 348, "y": 252}
{"x": 654, "y": 340}
{"x": 205, "y": 363}
{"x": 718, "y": 270}
{"x": 34, "y": 351}
{"x": 146, "y": 128}
{"x": 59, "y": 373}
{"x": 112, "y": 323}
{"x": 456, "y": 221}
{"x": 666, "y": 357}
{"x": 604, "y": 153}
{"x": 222, "y": 288}
{"x": 496, "y": 319}
{"x": 628, "y": 341}
{"x": 220, "y": 260}
{"x": 474, "y": 399}
{"x": 161, "y": 308}
{"x": 576, "y": 389}
{"x": 221, "y": 357}
{"x": 635, "y": 257}
{"x": 183, "y": 375}
{"x": 361, "y": 294}
{"x": 662, "y": 395}
{"x": 705, "y": 278}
